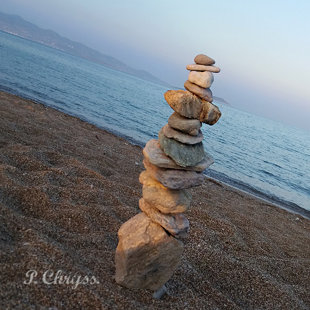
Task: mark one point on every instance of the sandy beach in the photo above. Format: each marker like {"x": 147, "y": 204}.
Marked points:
{"x": 66, "y": 187}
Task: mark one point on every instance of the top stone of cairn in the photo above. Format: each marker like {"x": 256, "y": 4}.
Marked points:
{"x": 202, "y": 59}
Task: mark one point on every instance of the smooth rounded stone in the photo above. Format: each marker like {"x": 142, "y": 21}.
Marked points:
{"x": 160, "y": 293}
{"x": 176, "y": 224}
{"x": 195, "y": 67}
{"x": 186, "y": 125}
{"x": 202, "y": 79}
{"x": 174, "y": 179}
{"x": 202, "y": 59}
{"x": 183, "y": 154}
{"x": 146, "y": 256}
{"x": 190, "y": 106}
{"x": 203, "y": 93}
{"x": 184, "y": 103}
{"x": 156, "y": 156}
{"x": 164, "y": 199}
{"x": 180, "y": 136}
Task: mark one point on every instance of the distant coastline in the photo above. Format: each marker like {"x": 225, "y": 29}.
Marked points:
{"x": 16, "y": 25}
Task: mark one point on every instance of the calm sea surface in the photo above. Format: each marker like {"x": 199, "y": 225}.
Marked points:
{"x": 258, "y": 155}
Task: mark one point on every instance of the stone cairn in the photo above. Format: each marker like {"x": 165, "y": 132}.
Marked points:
{"x": 149, "y": 248}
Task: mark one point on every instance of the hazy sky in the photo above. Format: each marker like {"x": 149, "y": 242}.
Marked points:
{"x": 262, "y": 47}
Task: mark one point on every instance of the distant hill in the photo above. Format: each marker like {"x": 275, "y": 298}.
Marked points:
{"x": 16, "y": 25}
{"x": 220, "y": 100}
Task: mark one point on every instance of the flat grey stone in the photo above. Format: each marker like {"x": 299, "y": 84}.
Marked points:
{"x": 187, "y": 125}
{"x": 166, "y": 200}
{"x": 156, "y": 156}
{"x": 203, "y": 93}
{"x": 176, "y": 224}
{"x": 174, "y": 179}
{"x": 183, "y": 154}
{"x": 169, "y": 132}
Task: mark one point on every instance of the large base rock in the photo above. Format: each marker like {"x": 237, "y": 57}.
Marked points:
{"x": 146, "y": 256}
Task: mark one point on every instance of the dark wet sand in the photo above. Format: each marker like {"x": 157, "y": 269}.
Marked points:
{"x": 67, "y": 186}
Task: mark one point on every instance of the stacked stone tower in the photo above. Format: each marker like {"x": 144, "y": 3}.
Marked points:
{"x": 150, "y": 246}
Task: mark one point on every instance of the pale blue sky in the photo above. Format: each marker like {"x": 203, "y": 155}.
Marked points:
{"x": 263, "y": 47}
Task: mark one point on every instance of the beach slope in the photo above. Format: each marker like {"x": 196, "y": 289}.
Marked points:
{"x": 66, "y": 186}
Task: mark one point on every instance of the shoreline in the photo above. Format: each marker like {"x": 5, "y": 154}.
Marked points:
{"x": 284, "y": 205}
{"x": 210, "y": 173}
{"x": 279, "y": 203}
{"x": 66, "y": 186}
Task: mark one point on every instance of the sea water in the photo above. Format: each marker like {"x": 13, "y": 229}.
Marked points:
{"x": 258, "y": 155}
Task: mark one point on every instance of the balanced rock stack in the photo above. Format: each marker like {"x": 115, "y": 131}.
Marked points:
{"x": 149, "y": 248}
